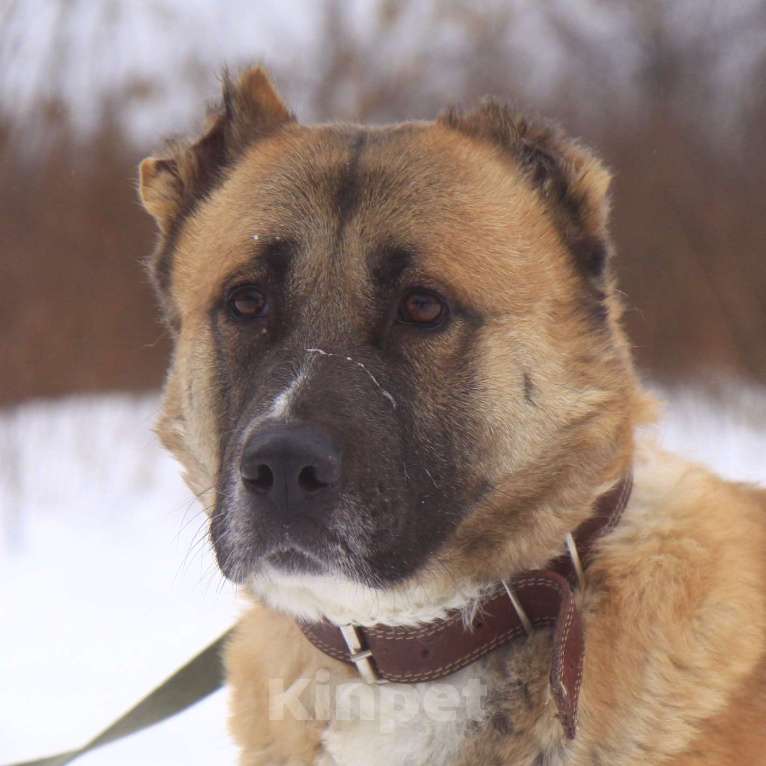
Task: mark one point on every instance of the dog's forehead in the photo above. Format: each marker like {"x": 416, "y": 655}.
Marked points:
{"x": 349, "y": 194}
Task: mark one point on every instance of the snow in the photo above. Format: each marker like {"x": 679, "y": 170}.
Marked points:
{"x": 726, "y": 432}
{"x": 107, "y": 583}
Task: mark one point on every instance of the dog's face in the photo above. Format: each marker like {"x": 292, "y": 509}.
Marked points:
{"x": 397, "y": 348}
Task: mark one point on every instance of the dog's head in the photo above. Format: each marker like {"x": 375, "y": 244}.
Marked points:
{"x": 397, "y": 350}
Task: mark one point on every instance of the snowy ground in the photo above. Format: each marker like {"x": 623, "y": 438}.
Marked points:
{"x": 107, "y": 585}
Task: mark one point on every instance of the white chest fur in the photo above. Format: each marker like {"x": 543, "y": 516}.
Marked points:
{"x": 407, "y": 724}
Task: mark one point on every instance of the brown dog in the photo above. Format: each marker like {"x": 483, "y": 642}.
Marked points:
{"x": 401, "y": 386}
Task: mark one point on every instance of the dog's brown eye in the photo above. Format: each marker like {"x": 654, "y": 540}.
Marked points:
{"x": 247, "y": 302}
{"x": 422, "y": 308}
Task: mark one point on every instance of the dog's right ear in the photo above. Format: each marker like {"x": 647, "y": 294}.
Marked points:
{"x": 161, "y": 190}
{"x": 251, "y": 109}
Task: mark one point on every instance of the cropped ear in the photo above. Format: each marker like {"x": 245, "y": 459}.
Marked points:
{"x": 160, "y": 189}
{"x": 170, "y": 187}
{"x": 251, "y": 109}
{"x": 572, "y": 182}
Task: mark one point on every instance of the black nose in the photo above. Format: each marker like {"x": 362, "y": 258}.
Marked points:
{"x": 296, "y": 467}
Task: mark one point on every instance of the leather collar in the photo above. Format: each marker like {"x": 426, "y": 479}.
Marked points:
{"x": 534, "y": 599}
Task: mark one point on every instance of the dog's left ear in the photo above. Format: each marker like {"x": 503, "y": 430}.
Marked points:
{"x": 572, "y": 182}
{"x": 250, "y": 110}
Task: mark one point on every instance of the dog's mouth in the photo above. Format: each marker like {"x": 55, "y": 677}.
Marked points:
{"x": 303, "y": 545}
{"x": 247, "y": 543}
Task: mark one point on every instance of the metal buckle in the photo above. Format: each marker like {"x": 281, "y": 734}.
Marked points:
{"x": 359, "y": 655}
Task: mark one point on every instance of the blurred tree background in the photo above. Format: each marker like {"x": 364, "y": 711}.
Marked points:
{"x": 672, "y": 94}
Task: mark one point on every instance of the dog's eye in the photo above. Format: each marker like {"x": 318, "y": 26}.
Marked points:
{"x": 246, "y": 302}
{"x": 424, "y": 308}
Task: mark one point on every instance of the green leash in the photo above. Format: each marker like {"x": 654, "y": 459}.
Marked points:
{"x": 198, "y": 678}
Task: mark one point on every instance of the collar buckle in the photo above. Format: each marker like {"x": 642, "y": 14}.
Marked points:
{"x": 361, "y": 657}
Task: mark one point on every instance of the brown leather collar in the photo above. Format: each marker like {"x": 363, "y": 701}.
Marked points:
{"x": 540, "y": 598}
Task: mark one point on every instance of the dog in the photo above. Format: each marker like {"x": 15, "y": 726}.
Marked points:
{"x": 401, "y": 387}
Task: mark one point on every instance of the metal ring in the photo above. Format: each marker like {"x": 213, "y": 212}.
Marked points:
{"x": 525, "y": 621}
{"x": 576, "y": 562}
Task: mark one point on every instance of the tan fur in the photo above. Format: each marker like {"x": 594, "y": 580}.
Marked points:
{"x": 256, "y": 655}
{"x": 682, "y": 603}
{"x": 674, "y": 608}
{"x": 159, "y": 190}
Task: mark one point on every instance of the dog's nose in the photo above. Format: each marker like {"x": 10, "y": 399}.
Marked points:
{"x": 295, "y": 466}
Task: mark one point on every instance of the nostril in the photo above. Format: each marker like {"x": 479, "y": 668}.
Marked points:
{"x": 309, "y": 481}
{"x": 290, "y": 467}
{"x": 263, "y": 480}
